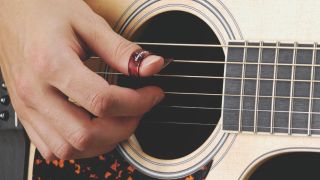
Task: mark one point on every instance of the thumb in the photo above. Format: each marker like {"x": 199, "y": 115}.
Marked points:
{"x": 112, "y": 48}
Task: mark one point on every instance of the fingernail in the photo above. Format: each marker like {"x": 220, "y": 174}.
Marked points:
{"x": 154, "y": 59}
{"x": 167, "y": 61}
{"x": 157, "y": 100}
{"x": 151, "y": 60}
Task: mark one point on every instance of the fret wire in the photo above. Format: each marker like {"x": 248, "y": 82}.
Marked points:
{"x": 221, "y": 46}
{"x": 223, "y": 92}
{"x": 314, "y": 57}
{"x": 244, "y": 59}
{"x": 236, "y": 63}
{"x": 256, "y": 113}
{"x": 274, "y": 88}
{"x": 293, "y": 71}
{"x": 224, "y": 89}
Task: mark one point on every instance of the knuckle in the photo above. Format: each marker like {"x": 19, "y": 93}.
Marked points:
{"x": 42, "y": 62}
{"x": 48, "y": 155}
{"x": 100, "y": 20}
{"x": 96, "y": 21}
{"x": 123, "y": 48}
{"x": 24, "y": 91}
{"x": 81, "y": 139}
{"x": 100, "y": 102}
{"x": 64, "y": 151}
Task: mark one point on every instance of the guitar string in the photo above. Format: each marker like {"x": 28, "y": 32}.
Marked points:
{"x": 229, "y": 109}
{"x": 228, "y": 46}
{"x": 210, "y": 108}
{"x": 311, "y": 93}
{"x": 236, "y": 63}
{"x": 215, "y": 124}
{"x": 214, "y": 77}
{"x": 274, "y": 87}
{"x": 256, "y": 101}
{"x": 243, "y": 74}
{"x": 210, "y": 62}
{"x": 220, "y": 94}
{"x": 238, "y": 95}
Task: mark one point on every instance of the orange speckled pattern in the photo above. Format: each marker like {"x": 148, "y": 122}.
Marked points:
{"x": 110, "y": 166}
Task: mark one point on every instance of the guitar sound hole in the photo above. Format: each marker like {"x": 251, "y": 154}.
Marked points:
{"x": 289, "y": 166}
{"x": 172, "y": 130}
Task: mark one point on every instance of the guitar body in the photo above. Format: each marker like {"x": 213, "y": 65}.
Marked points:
{"x": 232, "y": 155}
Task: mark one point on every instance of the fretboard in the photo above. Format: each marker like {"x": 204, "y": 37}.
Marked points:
{"x": 272, "y": 87}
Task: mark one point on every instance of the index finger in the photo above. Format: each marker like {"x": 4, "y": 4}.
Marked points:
{"x": 114, "y": 49}
{"x": 94, "y": 93}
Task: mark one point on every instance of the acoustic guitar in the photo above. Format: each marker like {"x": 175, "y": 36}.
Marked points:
{"x": 244, "y": 88}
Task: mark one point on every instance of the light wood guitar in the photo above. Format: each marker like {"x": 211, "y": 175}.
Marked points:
{"x": 244, "y": 86}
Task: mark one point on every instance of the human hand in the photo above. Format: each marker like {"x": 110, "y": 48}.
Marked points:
{"x": 41, "y": 47}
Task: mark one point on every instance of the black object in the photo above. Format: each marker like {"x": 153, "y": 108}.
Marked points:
{"x": 4, "y": 115}
{"x": 5, "y": 100}
{"x": 14, "y": 145}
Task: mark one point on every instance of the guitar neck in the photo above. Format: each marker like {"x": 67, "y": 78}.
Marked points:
{"x": 272, "y": 87}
